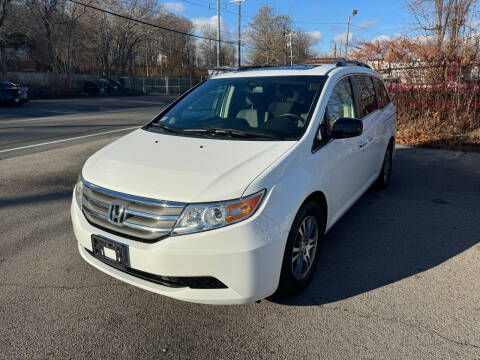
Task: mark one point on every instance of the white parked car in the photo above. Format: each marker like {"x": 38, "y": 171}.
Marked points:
{"x": 225, "y": 197}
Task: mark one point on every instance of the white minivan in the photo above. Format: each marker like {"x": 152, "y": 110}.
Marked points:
{"x": 225, "y": 196}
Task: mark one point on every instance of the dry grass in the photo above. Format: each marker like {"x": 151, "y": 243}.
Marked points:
{"x": 438, "y": 119}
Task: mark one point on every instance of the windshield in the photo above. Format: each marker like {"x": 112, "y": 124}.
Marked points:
{"x": 261, "y": 107}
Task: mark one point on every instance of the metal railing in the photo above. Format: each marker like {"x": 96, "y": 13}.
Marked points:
{"x": 158, "y": 86}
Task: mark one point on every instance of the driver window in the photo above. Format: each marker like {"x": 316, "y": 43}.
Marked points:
{"x": 340, "y": 103}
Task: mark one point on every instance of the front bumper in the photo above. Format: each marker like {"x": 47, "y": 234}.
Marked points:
{"x": 246, "y": 257}
{"x": 10, "y": 100}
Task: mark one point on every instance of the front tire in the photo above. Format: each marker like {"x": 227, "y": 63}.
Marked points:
{"x": 301, "y": 252}
{"x": 386, "y": 173}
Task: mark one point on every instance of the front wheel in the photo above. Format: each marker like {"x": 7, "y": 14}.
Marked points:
{"x": 301, "y": 252}
{"x": 385, "y": 174}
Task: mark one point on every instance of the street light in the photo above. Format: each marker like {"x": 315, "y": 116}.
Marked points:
{"x": 354, "y": 12}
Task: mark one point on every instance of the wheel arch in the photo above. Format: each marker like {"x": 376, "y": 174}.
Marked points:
{"x": 391, "y": 142}
{"x": 320, "y": 199}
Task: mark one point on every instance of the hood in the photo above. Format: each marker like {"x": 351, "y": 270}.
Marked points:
{"x": 178, "y": 168}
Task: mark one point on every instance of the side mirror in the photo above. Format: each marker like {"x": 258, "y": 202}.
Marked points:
{"x": 346, "y": 128}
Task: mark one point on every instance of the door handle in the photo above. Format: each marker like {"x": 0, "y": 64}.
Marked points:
{"x": 365, "y": 142}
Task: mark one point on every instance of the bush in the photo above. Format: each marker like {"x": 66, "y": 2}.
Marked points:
{"x": 438, "y": 117}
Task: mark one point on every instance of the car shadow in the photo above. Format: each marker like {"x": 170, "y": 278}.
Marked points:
{"x": 425, "y": 217}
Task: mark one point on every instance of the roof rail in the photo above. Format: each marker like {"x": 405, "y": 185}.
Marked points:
{"x": 337, "y": 61}
{"x": 320, "y": 61}
{"x": 344, "y": 62}
{"x": 252, "y": 67}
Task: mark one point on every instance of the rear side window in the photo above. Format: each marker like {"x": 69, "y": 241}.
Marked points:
{"x": 383, "y": 97}
{"x": 366, "y": 95}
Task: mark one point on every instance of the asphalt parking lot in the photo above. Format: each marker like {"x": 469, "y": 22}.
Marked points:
{"x": 399, "y": 274}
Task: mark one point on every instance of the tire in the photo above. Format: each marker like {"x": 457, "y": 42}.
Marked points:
{"x": 294, "y": 278}
{"x": 386, "y": 173}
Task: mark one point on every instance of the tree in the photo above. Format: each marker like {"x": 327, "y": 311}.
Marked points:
{"x": 3, "y": 49}
{"x": 46, "y": 14}
{"x": 447, "y": 26}
{"x": 207, "y": 49}
{"x": 3, "y": 10}
{"x": 302, "y": 47}
{"x": 269, "y": 39}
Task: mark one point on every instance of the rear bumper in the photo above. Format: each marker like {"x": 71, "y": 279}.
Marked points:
{"x": 246, "y": 257}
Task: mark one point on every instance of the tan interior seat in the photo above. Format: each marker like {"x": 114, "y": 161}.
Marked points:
{"x": 277, "y": 108}
{"x": 251, "y": 115}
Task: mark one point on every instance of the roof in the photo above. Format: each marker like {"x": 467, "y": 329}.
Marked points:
{"x": 295, "y": 70}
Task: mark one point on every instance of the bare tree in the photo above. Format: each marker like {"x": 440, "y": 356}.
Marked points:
{"x": 207, "y": 49}
{"x": 3, "y": 49}
{"x": 46, "y": 15}
{"x": 269, "y": 39}
{"x": 445, "y": 24}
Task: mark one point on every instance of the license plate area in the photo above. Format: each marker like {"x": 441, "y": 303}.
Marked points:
{"x": 110, "y": 252}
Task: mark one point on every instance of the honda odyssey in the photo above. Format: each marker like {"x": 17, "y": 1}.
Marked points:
{"x": 225, "y": 197}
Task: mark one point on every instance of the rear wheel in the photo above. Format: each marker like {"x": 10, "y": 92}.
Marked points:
{"x": 385, "y": 174}
{"x": 301, "y": 252}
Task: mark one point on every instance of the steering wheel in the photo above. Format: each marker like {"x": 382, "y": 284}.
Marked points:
{"x": 296, "y": 120}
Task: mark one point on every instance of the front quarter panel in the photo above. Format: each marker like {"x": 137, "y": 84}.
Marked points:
{"x": 289, "y": 183}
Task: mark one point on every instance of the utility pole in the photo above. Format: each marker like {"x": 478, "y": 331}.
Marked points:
{"x": 354, "y": 12}
{"x": 291, "y": 47}
{"x": 239, "y": 2}
{"x": 218, "y": 33}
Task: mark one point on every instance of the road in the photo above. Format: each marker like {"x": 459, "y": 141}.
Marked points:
{"x": 398, "y": 276}
{"x": 45, "y": 124}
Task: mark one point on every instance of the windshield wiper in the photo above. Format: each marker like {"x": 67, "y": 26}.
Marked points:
{"x": 167, "y": 128}
{"x": 234, "y": 132}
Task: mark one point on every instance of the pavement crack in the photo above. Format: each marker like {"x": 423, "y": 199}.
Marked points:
{"x": 407, "y": 324}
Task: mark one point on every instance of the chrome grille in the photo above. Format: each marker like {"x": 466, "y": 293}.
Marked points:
{"x": 144, "y": 219}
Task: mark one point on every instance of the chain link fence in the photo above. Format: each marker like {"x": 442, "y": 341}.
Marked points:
{"x": 158, "y": 86}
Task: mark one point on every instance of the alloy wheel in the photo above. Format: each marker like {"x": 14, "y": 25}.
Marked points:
{"x": 304, "y": 247}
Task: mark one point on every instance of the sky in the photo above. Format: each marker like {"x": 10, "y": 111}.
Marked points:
{"x": 325, "y": 20}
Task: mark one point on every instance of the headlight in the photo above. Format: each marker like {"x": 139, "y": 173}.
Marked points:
{"x": 79, "y": 191}
{"x": 202, "y": 217}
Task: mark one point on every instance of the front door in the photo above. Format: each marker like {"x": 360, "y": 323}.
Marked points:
{"x": 337, "y": 161}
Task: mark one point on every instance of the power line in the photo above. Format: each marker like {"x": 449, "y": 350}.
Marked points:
{"x": 320, "y": 23}
{"x": 366, "y": 29}
{"x": 208, "y": 6}
{"x": 147, "y": 23}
